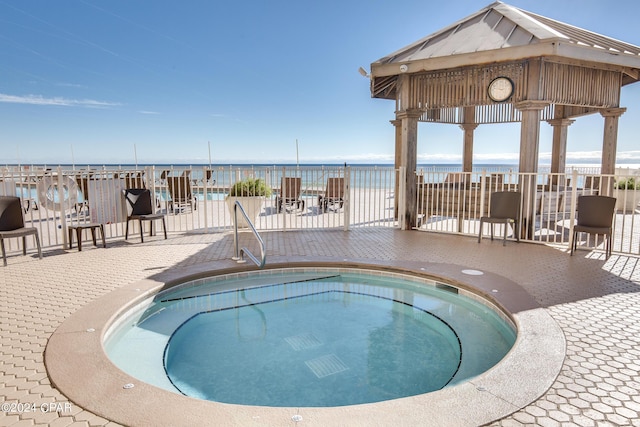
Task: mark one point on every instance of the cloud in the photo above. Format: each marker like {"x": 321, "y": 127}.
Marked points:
{"x": 148, "y": 112}
{"x": 56, "y": 101}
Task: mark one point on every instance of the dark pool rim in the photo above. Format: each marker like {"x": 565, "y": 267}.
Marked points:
{"x": 94, "y": 383}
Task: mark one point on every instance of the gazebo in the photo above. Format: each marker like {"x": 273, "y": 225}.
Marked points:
{"x": 503, "y": 64}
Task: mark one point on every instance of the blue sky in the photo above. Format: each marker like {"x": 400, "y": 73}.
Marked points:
{"x": 94, "y": 81}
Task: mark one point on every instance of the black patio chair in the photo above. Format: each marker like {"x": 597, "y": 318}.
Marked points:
{"x": 504, "y": 208}
{"x": 12, "y": 225}
{"x": 595, "y": 216}
{"x": 139, "y": 207}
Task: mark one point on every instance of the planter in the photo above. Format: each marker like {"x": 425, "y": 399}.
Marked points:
{"x": 626, "y": 200}
{"x": 252, "y": 205}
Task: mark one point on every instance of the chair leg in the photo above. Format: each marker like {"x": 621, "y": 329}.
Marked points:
{"x": 480, "y": 232}
{"x": 79, "y": 238}
{"x": 70, "y": 238}
{"x": 37, "y": 237}
{"x": 573, "y": 242}
{"x": 164, "y": 228}
{"x": 24, "y": 245}
{"x": 126, "y": 230}
{"x": 4, "y": 255}
{"x": 141, "y": 233}
{"x": 504, "y": 235}
{"x": 104, "y": 242}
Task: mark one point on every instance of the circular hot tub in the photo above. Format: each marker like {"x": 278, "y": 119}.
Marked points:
{"x": 322, "y": 337}
{"x": 155, "y": 387}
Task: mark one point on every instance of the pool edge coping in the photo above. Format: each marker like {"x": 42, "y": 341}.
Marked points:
{"x": 93, "y": 382}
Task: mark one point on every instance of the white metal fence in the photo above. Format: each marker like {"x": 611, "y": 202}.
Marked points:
{"x": 194, "y": 199}
{"x": 454, "y": 202}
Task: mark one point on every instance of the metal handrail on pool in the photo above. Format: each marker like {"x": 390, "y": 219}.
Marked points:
{"x": 239, "y": 257}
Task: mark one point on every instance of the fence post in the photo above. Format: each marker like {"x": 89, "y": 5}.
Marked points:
{"x": 483, "y": 190}
{"x": 347, "y": 197}
{"x": 205, "y": 191}
{"x": 402, "y": 205}
{"x": 63, "y": 208}
{"x": 283, "y": 184}
{"x": 574, "y": 205}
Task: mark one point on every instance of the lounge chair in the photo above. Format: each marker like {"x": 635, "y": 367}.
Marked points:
{"x": 163, "y": 176}
{"x": 181, "y": 193}
{"x": 208, "y": 177}
{"x": 333, "y": 195}
{"x": 504, "y": 208}
{"x": 139, "y": 207}
{"x": 290, "y": 189}
{"x": 456, "y": 179}
{"x": 12, "y": 225}
{"x": 595, "y": 216}
{"x": 134, "y": 180}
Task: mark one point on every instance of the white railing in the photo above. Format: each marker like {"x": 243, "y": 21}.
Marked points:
{"x": 241, "y": 251}
{"x": 454, "y": 202}
{"x": 195, "y": 198}
{"x": 447, "y": 202}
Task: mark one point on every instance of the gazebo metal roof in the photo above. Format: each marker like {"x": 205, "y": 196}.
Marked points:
{"x": 503, "y": 33}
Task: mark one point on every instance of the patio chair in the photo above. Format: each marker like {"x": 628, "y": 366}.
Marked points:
{"x": 134, "y": 180}
{"x": 595, "y": 216}
{"x": 163, "y": 175}
{"x": 139, "y": 207}
{"x": 12, "y": 225}
{"x": 181, "y": 193}
{"x": 82, "y": 180}
{"x": 333, "y": 195}
{"x": 290, "y": 189}
{"x": 504, "y": 208}
{"x": 208, "y": 177}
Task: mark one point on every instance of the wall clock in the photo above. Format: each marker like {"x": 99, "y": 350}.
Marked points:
{"x": 500, "y": 89}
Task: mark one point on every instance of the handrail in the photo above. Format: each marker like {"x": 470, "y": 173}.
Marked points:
{"x": 241, "y": 251}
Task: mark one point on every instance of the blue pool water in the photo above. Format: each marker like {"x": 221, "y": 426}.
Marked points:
{"x": 322, "y": 338}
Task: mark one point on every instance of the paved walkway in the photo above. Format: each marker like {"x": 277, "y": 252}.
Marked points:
{"x": 596, "y": 302}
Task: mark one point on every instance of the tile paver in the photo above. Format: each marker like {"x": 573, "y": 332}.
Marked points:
{"x": 595, "y": 301}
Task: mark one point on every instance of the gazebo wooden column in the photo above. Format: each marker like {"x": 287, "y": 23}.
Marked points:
{"x": 528, "y": 166}
{"x": 610, "y": 139}
{"x": 407, "y": 215}
{"x": 610, "y": 145}
{"x": 559, "y": 147}
{"x": 468, "y": 127}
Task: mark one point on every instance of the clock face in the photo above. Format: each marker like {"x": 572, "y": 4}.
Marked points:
{"x": 500, "y": 89}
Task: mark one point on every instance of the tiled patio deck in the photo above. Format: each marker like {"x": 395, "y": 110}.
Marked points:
{"x": 595, "y": 302}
